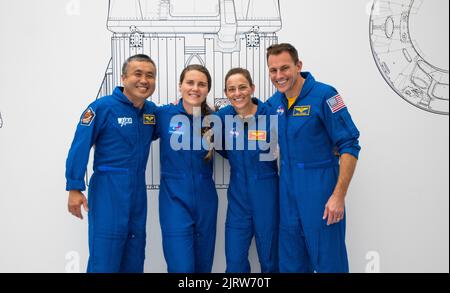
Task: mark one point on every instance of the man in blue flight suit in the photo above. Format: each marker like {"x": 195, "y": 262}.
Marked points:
{"x": 120, "y": 127}
{"x": 319, "y": 150}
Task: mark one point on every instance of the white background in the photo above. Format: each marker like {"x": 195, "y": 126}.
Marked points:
{"x": 52, "y": 64}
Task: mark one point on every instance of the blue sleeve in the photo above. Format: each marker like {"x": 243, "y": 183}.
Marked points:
{"x": 86, "y": 134}
{"x": 222, "y": 151}
{"x": 269, "y": 103}
{"x": 339, "y": 125}
{"x": 157, "y": 131}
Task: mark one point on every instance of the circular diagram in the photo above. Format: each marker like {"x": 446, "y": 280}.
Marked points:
{"x": 400, "y": 59}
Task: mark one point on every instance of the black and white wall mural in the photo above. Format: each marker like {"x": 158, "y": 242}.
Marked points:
{"x": 416, "y": 75}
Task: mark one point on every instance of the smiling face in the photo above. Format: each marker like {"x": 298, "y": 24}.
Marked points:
{"x": 285, "y": 73}
{"x": 194, "y": 88}
{"x": 139, "y": 81}
{"x": 239, "y": 92}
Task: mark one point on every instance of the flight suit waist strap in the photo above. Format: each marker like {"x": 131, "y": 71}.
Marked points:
{"x": 116, "y": 170}
{"x": 182, "y": 175}
{"x": 314, "y": 165}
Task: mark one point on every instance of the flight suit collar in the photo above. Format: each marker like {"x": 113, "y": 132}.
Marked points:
{"x": 119, "y": 95}
{"x": 307, "y": 87}
{"x": 181, "y": 109}
{"x": 259, "y": 111}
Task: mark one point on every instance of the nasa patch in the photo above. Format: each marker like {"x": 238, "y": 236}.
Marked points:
{"x": 280, "y": 111}
{"x": 176, "y": 128}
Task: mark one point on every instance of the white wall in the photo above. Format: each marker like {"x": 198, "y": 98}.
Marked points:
{"x": 51, "y": 66}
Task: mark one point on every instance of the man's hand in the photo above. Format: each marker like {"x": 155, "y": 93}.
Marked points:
{"x": 76, "y": 199}
{"x": 334, "y": 209}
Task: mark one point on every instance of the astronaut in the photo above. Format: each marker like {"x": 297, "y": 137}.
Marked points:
{"x": 253, "y": 208}
{"x": 187, "y": 198}
{"x": 314, "y": 122}
{"x": 121, "y": 128}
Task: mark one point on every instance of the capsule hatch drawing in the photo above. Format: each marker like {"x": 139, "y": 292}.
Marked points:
{"x": 220, "y": 35}
{"x": 413, "y": 74}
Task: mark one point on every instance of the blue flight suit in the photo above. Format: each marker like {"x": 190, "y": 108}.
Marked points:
{"x": 188, "y": 199}
{"x": 310, "y": 132}
{"x": 253, "y": 203}
{"x": 122, "y": 135}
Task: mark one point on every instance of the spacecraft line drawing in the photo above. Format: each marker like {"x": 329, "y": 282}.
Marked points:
{"x": 400, "y": 60}
{"x": 219, "y": 34}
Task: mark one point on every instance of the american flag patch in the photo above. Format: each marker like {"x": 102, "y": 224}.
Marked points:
{"x": 336, "y": 103}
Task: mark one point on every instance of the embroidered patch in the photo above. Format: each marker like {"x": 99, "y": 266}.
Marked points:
{"x": 257, "y": 135}
{"x": 336, "y": 103}
{"x": 176, "y": 129}
{"x": 302, "y": 111}
{"x": 234, "y": 132}
{"x": 280, "y": 111}
{"x": 149, "y": 119}
{"x": 88, "y": 117}
{"x": 124, "y": 121}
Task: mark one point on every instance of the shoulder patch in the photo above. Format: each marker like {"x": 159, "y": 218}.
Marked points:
{"x": 87, "y": 117}
{"x": 336, "y": 103}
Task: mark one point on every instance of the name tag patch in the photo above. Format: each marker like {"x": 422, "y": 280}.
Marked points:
{"x": 257, "y": 135}
{"x": 300, "y": 111}
{"x": 149, "y": 119}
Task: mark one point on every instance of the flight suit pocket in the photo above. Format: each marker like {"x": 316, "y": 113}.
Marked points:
{"x": 110, "y": 202}
{"x": 298, "y": 123}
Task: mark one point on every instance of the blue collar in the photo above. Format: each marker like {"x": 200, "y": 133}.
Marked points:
{"x": 307, "y": 86}
{"x": 119, "y": 95}
{"x": 180, "y": 107}
{"x": 257, "y": 102}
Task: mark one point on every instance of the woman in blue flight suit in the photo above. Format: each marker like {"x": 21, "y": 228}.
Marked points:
{"x": 188, "y": 197}
{"x": 253, "y": 208}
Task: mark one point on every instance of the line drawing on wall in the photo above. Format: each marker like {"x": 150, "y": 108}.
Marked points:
{"x": 219, "y": 34}
{"x": 400, "y": 60}
{"x": 1, "y": 120}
